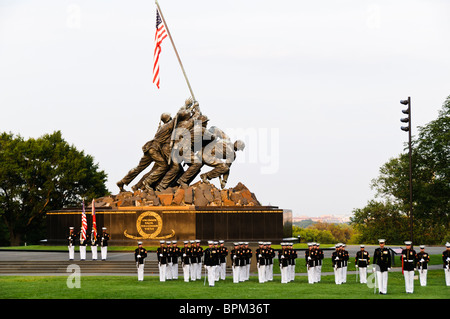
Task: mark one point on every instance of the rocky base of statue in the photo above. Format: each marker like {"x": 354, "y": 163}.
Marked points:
{"x": 198, "y": 194}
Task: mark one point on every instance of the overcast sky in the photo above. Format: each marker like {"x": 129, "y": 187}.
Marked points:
{"x": 312, "y": 87}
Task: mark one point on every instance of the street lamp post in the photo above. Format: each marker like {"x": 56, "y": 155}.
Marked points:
{"x": 408, "y": 129}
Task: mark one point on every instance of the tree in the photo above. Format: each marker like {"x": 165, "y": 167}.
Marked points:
{"x": 431, "y": 187}
{"x": 38, "y": 175}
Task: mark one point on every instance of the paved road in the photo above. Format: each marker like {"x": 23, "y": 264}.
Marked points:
{"x": 7, "y": 255}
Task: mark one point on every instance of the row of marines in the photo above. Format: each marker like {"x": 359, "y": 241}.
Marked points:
{"x": 214, "y": 259}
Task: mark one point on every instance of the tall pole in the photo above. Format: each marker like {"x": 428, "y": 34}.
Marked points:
{"x": 175, "y": 49}
{"x": 408, "y": 129}
{"x": 410, "y": 173}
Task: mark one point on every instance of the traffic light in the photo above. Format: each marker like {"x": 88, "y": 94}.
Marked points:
{"x": 408, "y": 112}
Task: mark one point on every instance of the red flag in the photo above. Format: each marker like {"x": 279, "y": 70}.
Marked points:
{"x": 160, "y": 35}
{"x": 83, "y": 224}
{"x": 94, "y": 222}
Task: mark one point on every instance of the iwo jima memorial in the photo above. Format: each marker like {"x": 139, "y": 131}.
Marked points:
{"x": 166, "y": 203}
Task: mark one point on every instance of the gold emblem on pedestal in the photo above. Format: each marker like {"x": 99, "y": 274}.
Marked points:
{"x": 149, "y": 226}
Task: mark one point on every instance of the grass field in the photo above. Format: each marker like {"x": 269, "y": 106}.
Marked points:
{"x": 127, "y": 287}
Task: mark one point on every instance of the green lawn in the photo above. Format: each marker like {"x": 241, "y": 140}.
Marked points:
{"x": 127, "y": 287}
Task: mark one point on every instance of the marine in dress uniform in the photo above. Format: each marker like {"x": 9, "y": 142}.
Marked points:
{"x": 161, "y": 252}
{"x": 446, "y": 263}
{"x": 223, "y": 253}
{"x": 194, "y": 264}
{"x": 248, "y": 259}
{"x": 270, "y": 255}
{"x": 104, "y": 237}
{"x": 382, "y": 265}
{"x": 346, "y": 258}
{"x": 423, "y": 258}
{"x": 71, "y": 243}
{"x": 261, "y": 261}
{"x": 283, "y": 258}
{"x": 362, "y": 261}
{"x": 82, "y": 241}
{"x": 140, "y": 254}
{"x": 216, "y": 266}
{"x": 242, "y": 265}
{"x": 176, "y": 253}
{"x": 235, "y": 256}
{"x": 199, "y": 258}
{"x": 318, "y": 265}
{"x": 93, "y": 241}
{"x": 310, "y": 259}
{"x": 292, "y": 257}
{"x": 337, "y": 261}
{"x": 186, "y": 253}
{"x": 169, "y": 246}
{"x": 409, "y": 261}
{"x": 211, "y": 260}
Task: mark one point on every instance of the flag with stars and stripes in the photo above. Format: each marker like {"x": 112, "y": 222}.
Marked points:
{"x": 160, "y": 35}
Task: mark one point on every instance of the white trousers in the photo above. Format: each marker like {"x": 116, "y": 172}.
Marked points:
{"x": 169, "y": 271}
{"x": 338, "y": 275}
{"x": 409, "y": 281}
{"x": 199, "y": 270}
{"x": 236, "y": 273}
{"x": 140, "y": 272}
{"x": 382, "y": 280}
{"x": 94, "y": 252}
{"x": 318, "y": 272}
{"x": 284, "y": 275}
{"x": 104, "y": 251}
{"x": 269, "y": 272}
{"x": 242, "y": 273}
{"x": 262, "y": 269}
{"x": 344, "y": 274}
{"x": 82, "y": 252}
{"x": 423, "y": 277}
{"x": 211, "y": 275}
{"x": 292, "y": 272}
{"x": 162, "y": 272}
{"x": 186, "y": 272}
{"x": 223, "y": 270}
{"x": 363, "y": 275}
{"x": 71, "y": 252}
{"x": 311, "y": 275}
{"x": 175, "y": 271}
{"x": 447, "y": 276}
{"x": 194, "y": 271}
{"x": 247, "y": 272}
{"x": 217, "y": 272}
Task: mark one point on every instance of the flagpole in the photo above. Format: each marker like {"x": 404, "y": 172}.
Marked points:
{"x": 175, "y": 49}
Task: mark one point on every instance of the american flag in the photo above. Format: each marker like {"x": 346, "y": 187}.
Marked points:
{"x": 94, "y": 222}
{"x": 83, "y": 224}
{"x": 160, "y": 35}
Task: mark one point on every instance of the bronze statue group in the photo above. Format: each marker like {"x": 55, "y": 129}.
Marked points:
{"x": 184, "y": 140}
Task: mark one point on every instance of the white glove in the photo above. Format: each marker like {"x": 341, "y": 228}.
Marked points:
{"x": 138, "y": 256}
{"x": 282, "y": 257}
{"x": 160, "y": 255}
{"x": 309, "y": 258}
{"x": 184, "y": 255}
{"x": 422, "y": 260}
{"x": 337, "y": 258}
{"x": 259, "y": 255}
{"x": 389, "y": 269}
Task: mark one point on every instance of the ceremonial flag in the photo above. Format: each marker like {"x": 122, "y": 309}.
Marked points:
{"x": 83, "y": 224}
{"x": 94, "y": 222}
{"x": 160, "y": 35}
